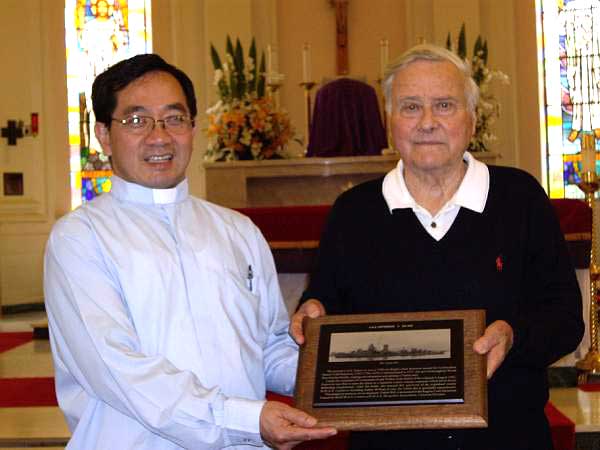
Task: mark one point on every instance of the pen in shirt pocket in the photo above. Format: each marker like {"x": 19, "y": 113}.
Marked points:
{"x": 250, "y": 277}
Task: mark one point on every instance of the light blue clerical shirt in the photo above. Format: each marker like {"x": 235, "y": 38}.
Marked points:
{"x": 166, "y": 322}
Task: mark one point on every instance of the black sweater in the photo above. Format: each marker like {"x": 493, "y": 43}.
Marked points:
{"x": 510, "y": 260}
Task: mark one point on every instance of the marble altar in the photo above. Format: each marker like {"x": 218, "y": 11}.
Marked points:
{"x": 295, "y": 181}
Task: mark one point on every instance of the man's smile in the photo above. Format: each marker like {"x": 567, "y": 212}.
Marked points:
{"x": 159, "y": 158}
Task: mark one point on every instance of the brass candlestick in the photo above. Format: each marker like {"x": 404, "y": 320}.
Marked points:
{"x": 308, "y": 85}
{"x": 590, "y": 364}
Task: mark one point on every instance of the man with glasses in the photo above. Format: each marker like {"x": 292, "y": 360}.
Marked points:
{"x": 166, "y": 319}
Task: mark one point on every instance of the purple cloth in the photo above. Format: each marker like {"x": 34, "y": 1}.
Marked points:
{"x": 346, "y": 120}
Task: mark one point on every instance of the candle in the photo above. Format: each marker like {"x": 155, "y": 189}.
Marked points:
{"x": 306, "y": 62}
{"x": 269, "y": 63}
{"x": 383, "y": 56}
{"x": 588, "y": 153}
{"x": 269, "y": 58}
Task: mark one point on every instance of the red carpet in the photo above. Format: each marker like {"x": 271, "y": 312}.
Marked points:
{"x": 18, "y": 392}
{"x": 12, "y": 340}
{"x": 590, "y": 387}
{"x": 563, "y": 429}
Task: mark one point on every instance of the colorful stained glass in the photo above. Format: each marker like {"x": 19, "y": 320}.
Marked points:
{"x": 99, "y": 33}
{"x": 569, "y": 67}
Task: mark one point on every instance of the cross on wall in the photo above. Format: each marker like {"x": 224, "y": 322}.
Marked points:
{"x": 341, "y": 33}
{"x": 12, "y": 132}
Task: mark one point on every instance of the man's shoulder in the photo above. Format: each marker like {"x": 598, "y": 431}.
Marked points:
{"x": 512, "y": 175}
{"x": 369, "y": 192}
{"x": 221, "y": 213}
{"x": 361, "y": 206}
{"x": 78, "y": 219}
{"x": 77, "y": 225}
{"x": 511, "y": 187}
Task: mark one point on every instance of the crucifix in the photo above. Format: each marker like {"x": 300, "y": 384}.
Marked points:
{"x": 341, "y": 33}
{"x": 13, "y": 131}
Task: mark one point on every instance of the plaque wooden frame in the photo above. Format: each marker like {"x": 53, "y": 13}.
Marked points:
{"x": 471, "y": 412}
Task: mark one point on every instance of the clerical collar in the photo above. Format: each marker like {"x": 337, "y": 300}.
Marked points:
{"x": 472, "y": 192}
{"x": 131, "y": 192}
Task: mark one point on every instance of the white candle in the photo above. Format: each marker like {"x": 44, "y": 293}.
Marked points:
{"x": 269, "y": 63}
{"x": 275, "y": 59}
{"x": 306, "y": 62}
{"x": 588, "y": 153}
{"x": 384, "y": 50}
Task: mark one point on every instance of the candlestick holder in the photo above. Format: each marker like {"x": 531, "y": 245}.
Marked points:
{"x": 274, "y": 82}
{"x": 590, "y": 364}
{"x": 273, "y": 86}
{"x": 308, "y": 85}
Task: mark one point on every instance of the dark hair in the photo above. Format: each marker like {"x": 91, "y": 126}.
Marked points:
{"x": 118, "y": 77}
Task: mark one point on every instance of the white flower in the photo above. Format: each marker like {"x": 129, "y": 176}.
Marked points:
{"x": 218, "y": 77}
{"x": 215, "y": 109}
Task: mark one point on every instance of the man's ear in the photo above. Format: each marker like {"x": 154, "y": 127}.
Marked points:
{"x": 103, "y": 135}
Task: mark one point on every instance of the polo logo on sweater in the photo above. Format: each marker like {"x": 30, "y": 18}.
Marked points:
{"x": 499, "y": 263}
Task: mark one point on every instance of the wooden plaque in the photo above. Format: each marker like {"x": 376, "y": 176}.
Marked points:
{"x": 394, "y": 371}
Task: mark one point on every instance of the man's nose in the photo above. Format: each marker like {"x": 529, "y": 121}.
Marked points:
{"x": 158, "y": 132}
{"x": 427, "y": 120}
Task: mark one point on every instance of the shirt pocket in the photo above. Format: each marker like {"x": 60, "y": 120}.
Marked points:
{"x": 238, "y": 309}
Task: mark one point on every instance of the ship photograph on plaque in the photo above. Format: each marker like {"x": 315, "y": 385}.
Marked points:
{"x": 394, "y": 371}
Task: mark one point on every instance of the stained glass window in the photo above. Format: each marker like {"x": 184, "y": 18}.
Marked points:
{"x": 569, "y": 67}
{"x": 99, "y": 33}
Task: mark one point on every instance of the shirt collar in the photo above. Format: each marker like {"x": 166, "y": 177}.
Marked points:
{"x": 131, "y": 192}
{"x": 472, "y": 192}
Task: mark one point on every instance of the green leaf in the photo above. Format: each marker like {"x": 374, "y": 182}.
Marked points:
{"x": 238, "y": 62}
{"x": 449, "y": 42}
{"x": 462, "y": 42}
{"x": 478, "y": 47}
{"x": 233, "y": 83}
{"x": 252, "y": 56}
{"x": 215, "y": 58}
{"x": 485, "y": 52}
{"x": 229, "y": 46}
{"x": 260, "y": 88}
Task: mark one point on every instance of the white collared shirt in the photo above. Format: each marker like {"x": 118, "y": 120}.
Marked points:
{"x": 166, "y": 322}
{"x": 472, "y": 194}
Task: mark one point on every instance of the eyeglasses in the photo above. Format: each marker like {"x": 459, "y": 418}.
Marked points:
{"x": 178, "y": 124}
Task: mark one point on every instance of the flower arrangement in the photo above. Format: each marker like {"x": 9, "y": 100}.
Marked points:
{"x": 488, "y": 108}
{"x": 244, "y": 124}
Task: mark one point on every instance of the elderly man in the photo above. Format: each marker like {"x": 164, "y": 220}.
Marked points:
{"x": 166, "y": 319}
{"x": 443, "y": 231}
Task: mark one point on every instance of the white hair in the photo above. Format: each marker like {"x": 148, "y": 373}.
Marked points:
{"x": 435, "y": 53}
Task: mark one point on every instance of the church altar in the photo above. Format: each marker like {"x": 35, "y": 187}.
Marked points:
{"x": 295, "y": 181}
